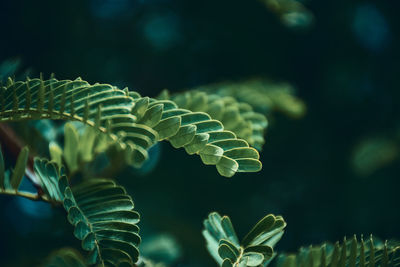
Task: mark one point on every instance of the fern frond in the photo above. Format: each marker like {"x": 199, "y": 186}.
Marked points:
{"x": 104, "y": 219}
{"x": 237, "y": 117}
{"x": 134, "y": 122}
{"x": 65, "y": 257}
{"x": 352, "y": 253}
{"x": 256, "y": 248}
{"x": 101, "y": 211}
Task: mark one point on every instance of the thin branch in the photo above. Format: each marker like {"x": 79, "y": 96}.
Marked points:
{"x": 28, "y": 195}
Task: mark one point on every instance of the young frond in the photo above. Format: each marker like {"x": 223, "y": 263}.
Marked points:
{"x": 256, "y": 248}
{"x": 352, "y": 253}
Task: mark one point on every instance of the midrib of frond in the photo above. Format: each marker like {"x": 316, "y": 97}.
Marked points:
{"x": 96, "y": 242}
{"x": 112, "y": 225}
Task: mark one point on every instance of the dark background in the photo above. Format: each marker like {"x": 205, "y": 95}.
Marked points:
{"x": 345, "y": 67}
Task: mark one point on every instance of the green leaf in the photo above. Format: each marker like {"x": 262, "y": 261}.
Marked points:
{"x": 235, "y": 249}
{"x": 225, "y": 252}
{"x": 227, "y": 263}
{"x": 266, "y": 251}
{"x": 71, "y": 146}
{"x": 168, "y": 127}
{"x": 152, "y": 115}
{"x": 19, "y": 169}
{"x": 140, "y": 106}
{"x": 249, "y": 165}
{"x": 227, "y": 227}
{"x": 265, "y": 229}
{"x": 56, "y": 153}
{"x": 198, "y": 142}
{"x": 227, "y": 167}
{"x": 87, "y": 144}
{"x": 253, "y": 258}
{"x": 184, "y": 136}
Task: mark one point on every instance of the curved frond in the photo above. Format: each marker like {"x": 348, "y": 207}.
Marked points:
{"x": 104, "y": 219}
{"x": 65, "y": 257}
{"x": 199, "y": 134}
{"x": 134, "y": 122}
{"x": 352, "y": 253}
{"x": 255, "y": 249}
{"x": 237, "y": 117}
{"x": 101, "y": 211}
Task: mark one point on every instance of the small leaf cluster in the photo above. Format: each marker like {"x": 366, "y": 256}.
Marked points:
{"x": 255, "y": 249}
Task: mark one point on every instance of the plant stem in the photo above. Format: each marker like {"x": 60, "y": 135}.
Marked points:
{"x": 28, "y": 195}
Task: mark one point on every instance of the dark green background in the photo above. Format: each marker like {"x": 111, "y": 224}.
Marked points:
{"x": 347, "y": 74}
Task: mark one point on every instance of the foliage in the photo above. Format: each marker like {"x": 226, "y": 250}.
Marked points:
{"x": 102, "y": 119}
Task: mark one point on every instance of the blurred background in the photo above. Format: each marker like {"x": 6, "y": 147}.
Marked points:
{"x": 331, "y": 173}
